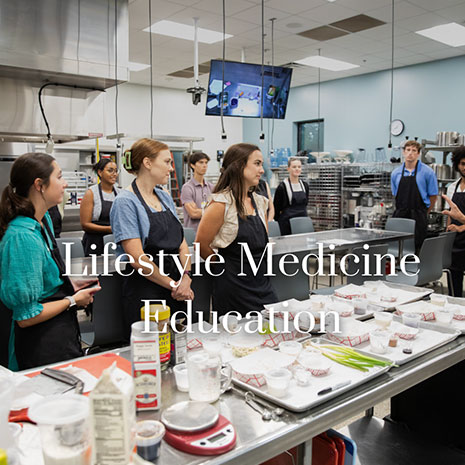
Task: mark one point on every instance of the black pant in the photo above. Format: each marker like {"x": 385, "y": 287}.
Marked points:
{"x": 457, "y": 283}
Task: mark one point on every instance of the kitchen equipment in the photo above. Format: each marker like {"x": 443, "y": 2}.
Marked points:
{"x": 263, "y": 411}
{"x": 197, "y": 428}
{"x": 149, "y": 434}
{"x": 204, "y": 373}
{"x": 334, "y": 388}
{"x": 442, "y": 171}
{"x": 380, "y": 155}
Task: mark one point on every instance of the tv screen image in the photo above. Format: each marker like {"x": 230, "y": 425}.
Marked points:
{"x": 242, "y": 91}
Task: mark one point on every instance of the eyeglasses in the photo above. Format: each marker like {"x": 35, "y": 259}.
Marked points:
{"x": 112, "y": 171}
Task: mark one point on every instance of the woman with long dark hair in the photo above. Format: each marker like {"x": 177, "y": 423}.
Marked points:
{"x": 144, "y": 223}
{"x": 96, "y": 205}
{"x": 236, "y": 216}
{"x": 33, "y": 287}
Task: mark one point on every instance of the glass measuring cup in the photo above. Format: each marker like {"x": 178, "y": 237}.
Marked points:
{"x": 204, "y": 373}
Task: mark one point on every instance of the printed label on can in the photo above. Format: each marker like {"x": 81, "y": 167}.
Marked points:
{"x": 165, "y": 347}
{"x": 146, "y": 389}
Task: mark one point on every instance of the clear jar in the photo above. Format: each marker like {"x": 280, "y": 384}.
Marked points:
{"x": 160, "y": 314}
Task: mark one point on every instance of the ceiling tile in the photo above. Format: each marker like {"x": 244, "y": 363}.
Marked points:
{"x": 428, "y": 46}
{"x": 357, "y": 23}
{"x": 234, "y": 26}
{"x": 215, "y": 6}
{"x": 323, "y": 33}
{"x": 186, "y": 2}
{"x": 294, "y": 41}
{"x": 383, "y": 32}
{"x": 433, "y": 5}
{"x": 254, "y": 15}
{"x": 139, "y": 12}
{"x": 402, "y": 10}
{"x": 406, "y": 40}
{"x": 363, "y": 6}
{"x": 420, "y": 22}
{"x": 186, "y": 16}
{"x": 295, "y": 6}
{"x": 295, "y": 24}
{"x": 328, "y": 13}
{"x": 454, "y": 13}
{"x": 441, "y": 54}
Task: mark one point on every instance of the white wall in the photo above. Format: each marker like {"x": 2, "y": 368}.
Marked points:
{"x": 174, "y": 115}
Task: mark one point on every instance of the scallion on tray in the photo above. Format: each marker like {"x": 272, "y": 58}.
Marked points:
{"x": 350, "y": 357}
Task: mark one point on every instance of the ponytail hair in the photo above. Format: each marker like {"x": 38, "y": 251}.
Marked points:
{"x": 100, "y": 165}
{"x": 25, "y": 170}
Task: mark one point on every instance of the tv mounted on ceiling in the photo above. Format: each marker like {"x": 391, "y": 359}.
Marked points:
{"x": 243, "y": 87}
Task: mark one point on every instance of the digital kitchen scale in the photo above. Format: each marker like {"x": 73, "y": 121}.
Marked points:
{"x": 197, "y": 428}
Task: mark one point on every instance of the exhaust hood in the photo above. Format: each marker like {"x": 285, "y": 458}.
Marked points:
{"x": 66, "y": 42}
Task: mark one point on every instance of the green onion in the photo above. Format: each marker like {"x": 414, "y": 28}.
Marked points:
{"x": 350, "y": 357}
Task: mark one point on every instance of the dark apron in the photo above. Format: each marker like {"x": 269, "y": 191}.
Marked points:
{"x": 103, "y": 220}
{"x": 55, "y": 215}
{"x": 243, "y": 293}
{"x": 165, "y": 234}
{"x": 56, "y": 339}
{"x": 409, "y": 204}
{"x": 297, "y": 207}
{"x": 458, "y": 249}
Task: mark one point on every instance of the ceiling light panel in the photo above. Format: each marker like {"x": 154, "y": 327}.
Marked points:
{"x": 452, "y": 34}
{"x": 186, "y": 32}
{"x": 326, "y": 63}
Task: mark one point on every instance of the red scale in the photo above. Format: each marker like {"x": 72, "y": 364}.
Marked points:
{"x": 197, "y": 428}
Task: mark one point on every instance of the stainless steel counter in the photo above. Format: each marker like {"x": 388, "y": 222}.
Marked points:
{"x": 259, "y": 440}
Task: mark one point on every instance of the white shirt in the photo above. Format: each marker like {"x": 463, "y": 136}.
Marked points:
{"x": 451, "y": 188}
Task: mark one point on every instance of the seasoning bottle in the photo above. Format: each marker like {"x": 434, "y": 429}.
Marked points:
{"x": 161, "y": 315}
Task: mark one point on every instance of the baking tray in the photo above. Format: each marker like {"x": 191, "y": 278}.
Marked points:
{"x": 430, "y": 337}
{"x": 302, "y": 398}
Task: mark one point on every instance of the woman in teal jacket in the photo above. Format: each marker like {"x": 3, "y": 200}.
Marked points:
{"x": 34, "y": 291}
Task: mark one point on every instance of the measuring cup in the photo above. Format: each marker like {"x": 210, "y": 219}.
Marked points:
{"x": 204, "y": 373}
{"x": 64, "y": 429}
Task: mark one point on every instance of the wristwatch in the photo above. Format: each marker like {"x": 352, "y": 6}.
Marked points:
{"x": 72, "y": 302}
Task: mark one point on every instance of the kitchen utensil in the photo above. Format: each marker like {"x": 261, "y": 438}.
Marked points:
{"x": 204, "y": 372}
{"x": 276, "y": 411}
{"x": 379, "y": 341}
{"x": 278, "y": 381}
{"x": 265, "y": 413}
{"x": 197, "y": 428}
{"x": 181, "y": 377}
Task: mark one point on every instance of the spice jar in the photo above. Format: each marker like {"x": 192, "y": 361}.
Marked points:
{"x": 160, "y": 314}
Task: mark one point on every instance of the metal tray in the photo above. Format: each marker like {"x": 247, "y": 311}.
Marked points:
{"x": 459, "y": 325}
{"x": 430, "y": 337}
{"x": 300, "y": 399}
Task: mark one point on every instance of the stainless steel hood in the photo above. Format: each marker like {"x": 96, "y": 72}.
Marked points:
{"x": 66, "y": 41}
{"x": 69, "y": 42}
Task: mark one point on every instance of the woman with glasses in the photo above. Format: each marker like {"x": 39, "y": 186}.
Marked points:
{"x": 96, "y": 205}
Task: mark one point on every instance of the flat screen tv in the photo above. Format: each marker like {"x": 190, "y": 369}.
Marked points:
{"x": 243, "y": 88}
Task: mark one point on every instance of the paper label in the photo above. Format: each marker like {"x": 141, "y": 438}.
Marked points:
{"x": 165, "y": 347}
{"x": 145, "y": 351}
{"x": 147, "y": 388}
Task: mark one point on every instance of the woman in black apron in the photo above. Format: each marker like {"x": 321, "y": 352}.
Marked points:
{"x": 144, "y": 223}
{"x": 289, "y": 202}
{"x": 458, "y": 251}
{"x": 50, "y": 334}
{"x": 237, "y": 215}
{"x": 409, "y": 204}
{"x": 96, "y": 225}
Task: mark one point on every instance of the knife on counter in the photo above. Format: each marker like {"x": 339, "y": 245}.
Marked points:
{"x": 334, "y": 388}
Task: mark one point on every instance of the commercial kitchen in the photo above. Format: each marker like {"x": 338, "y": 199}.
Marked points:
{"x": 231, "y": 229}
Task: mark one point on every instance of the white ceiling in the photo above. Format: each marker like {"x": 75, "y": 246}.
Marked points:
{"x": 371, "y": 49}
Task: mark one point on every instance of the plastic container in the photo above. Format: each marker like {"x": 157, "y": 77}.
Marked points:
{"x": 379, "y": 341}
{"x": 182, "y": 377}
{"x": 290, "y": 348}
{"x": 161, "y": 315}
{"x": 439, "y": 300}
{"x": 278, "y": 381}
{"x": 383, "y": 319}
{"x": 7, "y": 387}
{"x": 411, "y": 319}
{"x": 444, "y": 317}
{"x": 63, "y": 423}
{"x": 149, "y": 434}
{"x": 360, "y": 306}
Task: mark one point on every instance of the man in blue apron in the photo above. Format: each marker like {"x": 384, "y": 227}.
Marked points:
{"x": 415, "y": 188}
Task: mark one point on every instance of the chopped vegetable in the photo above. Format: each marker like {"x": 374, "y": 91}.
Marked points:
{"x": 350, "y": 357}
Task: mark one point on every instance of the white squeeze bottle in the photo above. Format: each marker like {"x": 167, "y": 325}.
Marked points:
{"x": 145, "y": 357}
